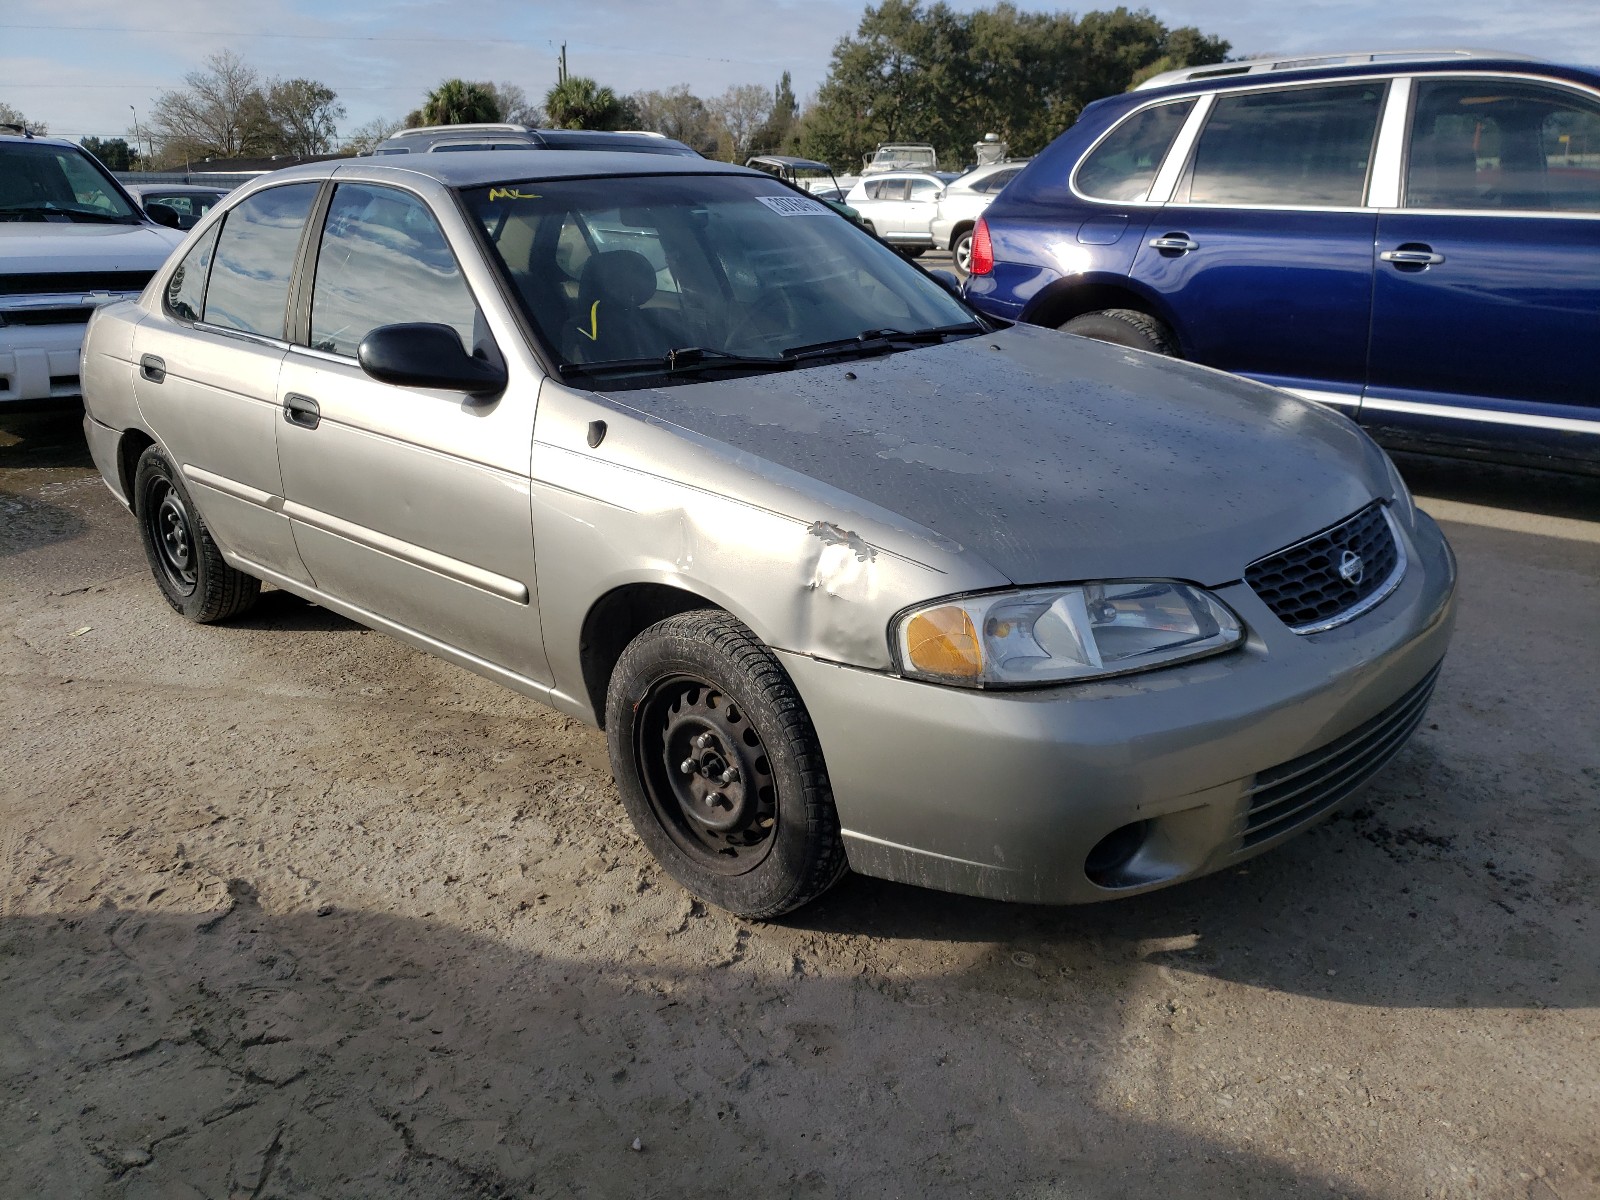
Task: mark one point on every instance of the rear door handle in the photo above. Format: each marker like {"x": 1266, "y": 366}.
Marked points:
{"x": 153, "y": 368}
{"x": 302, "y": 411}
{"x": 1412, "y": 257}
{"x": 1180, "y": 242}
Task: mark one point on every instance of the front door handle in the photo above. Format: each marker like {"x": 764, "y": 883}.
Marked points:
{"x": 302, "y": 411}
{"x": 1412, "y": 256}
{"x": 1182, "y": 243}
{"x": 153, "y": 368}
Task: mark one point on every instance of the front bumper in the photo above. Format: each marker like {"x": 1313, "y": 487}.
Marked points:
{"x": 1004, "y": 794}
{"x": 40, "y": 362}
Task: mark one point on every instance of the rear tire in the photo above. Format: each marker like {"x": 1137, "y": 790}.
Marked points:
{"x": 1125, "y": 327}
{"x": 961, "y": 251}
{"x": 189, "y": 569}
{"x": 719, "y": 767}
{"x": 911, "y": 251}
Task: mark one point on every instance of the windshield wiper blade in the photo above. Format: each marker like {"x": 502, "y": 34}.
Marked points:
{"x": 876, "y": 341}
{"x": 50, "y": 210}
{"x": 681, "y": 360}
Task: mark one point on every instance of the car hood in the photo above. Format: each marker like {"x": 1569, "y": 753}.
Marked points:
{"x": 36, "y": 247}
{"x": 1052, "y": 457}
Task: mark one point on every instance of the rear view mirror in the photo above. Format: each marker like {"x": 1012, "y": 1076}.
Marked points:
{"x": 427, "y": 355}
{"x": 163, "y": 214}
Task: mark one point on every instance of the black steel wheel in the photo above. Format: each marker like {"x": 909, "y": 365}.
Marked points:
{"x": 719, "y": 766}
{"x": 187, "y": 565}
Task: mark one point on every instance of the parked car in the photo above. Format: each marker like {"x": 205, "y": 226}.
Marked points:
{"x": 189, "y": 203}
{"x": 1412, "y": 239}
{"x": 900, "y": 207}
{"x": 440, "y": 139}
{"x": 962, "y": 203}
{"x": 814, "y": 177}
{"x": 848, "y": 573}
{"x": 71, "y": 240}
{"x": 900, "y": 156}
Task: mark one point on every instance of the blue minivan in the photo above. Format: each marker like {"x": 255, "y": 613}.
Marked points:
{"x": 1413, "y": 239}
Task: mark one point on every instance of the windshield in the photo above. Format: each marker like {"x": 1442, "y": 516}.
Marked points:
{"x": 669, "y": 272}
{"x": 42, "y": 182}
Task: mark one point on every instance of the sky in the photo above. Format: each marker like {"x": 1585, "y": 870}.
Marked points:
{"x": 79, "y": 65}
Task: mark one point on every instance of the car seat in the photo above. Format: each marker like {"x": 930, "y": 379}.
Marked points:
{"x": 612, "y": 322}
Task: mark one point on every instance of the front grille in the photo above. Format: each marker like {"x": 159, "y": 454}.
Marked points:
{"x": 1303, "y": 583}
{"x": 1302, "y": 789}
{"x": 44, "y": 283}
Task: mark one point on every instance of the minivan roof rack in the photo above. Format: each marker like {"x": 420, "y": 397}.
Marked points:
{"x": 1306, "y": 62}
{"x": 473, "y": 127}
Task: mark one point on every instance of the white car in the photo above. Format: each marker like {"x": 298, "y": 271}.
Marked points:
{"x": 71, "y": 240}
{"x": 963, "y": 203}
{"x": 899, "y": 207}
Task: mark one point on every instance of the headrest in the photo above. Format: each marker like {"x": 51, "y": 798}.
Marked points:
{"x": 623, "y": 277}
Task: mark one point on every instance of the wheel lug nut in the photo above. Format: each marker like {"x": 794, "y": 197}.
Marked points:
{"x": 728, "y": 776}
{"x": 701, "y": 742}
{"x": 687, "y": 766}
{"x": 717, "y": 800}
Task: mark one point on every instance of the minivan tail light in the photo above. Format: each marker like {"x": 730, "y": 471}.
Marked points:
{"x": 982, "y": 250}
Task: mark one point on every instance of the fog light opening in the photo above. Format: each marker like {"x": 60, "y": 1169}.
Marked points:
{"x": 1106, "y": 863}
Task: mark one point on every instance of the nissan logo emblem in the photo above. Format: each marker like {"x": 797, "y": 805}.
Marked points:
{"x": 1350, "y": 567}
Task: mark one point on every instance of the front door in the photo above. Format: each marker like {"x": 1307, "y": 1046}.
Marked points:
{"x": 1486, "y": 303}
{"x": 206, "y": 373}
{"x": 1264, "y": 252}
{"x": 409, "y": 504}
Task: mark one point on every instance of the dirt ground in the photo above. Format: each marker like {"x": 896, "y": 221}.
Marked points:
{"x": 289, "y": 910}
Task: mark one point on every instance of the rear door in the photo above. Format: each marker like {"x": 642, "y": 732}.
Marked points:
{"x": 411, "y": 504}
{"x": 208, "y": 364}
{"x": 1263, "y": 254}
{"x": 1486, "y": 304}
{"x": 922, "y": 204}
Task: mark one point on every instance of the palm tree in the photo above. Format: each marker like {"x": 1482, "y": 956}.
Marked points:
{"x": 457, "y": 102}
{"x": 577, "y": 102}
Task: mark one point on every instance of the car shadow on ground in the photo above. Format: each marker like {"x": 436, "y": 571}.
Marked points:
{"x": 1549, "y": 493}
{"x": 28, "y": 522}
{"x": 42, "y": 439}
{"x": 286, "y": 612}
{"x": 357, "y": 1054}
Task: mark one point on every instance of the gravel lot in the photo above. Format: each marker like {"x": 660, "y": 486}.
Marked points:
{"x": 287, "y": 909}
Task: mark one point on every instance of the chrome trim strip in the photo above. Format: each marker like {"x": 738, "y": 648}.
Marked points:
{"x": 1377, "y": 597}
{"x": 1171, "y": 169}
{"x": 1383, "y": 188}
{"x": 48, "y": 300}
{"x": 431, "y": 560}
{"x": 232, "y": 487}
{"x": 1490, "y": 416}
{"x": 1341, "y": 399}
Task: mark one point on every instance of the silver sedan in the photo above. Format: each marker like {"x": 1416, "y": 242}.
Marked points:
{"x": 849, "y": 574}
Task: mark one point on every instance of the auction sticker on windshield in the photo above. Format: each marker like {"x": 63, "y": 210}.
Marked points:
{"x": 795, "y": 206}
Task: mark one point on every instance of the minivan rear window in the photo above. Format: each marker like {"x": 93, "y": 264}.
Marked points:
{"x": 1124, "y": 165}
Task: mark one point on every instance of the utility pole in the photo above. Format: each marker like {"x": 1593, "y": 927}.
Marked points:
{"x": 136, "y": 149}
{"x": 561, "y": 68}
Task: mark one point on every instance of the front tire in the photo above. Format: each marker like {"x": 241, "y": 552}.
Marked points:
{"x": 189, "y": 569}
{"x": 1125, "y": 327}
{"x": 719, "y": 767}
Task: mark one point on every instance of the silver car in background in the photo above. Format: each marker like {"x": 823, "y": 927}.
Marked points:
{"x": 961, "y": 204}
{"x": 848, "y": 574}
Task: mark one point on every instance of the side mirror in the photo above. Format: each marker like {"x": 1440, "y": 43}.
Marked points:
{"x": 948, "y": 281}
{"x": 427, "y": 355}
{"x": 163, "y": 214}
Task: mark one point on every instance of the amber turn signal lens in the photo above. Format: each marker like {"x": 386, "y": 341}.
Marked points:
{"x": 943, "y": 641}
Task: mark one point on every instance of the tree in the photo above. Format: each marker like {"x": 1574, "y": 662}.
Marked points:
{"x": 115, "y": 153}
{"x": 777, "y": 130}
{"x": 742, "y": 110}
{"x": 13, "y": 116}
{"x": 457, "y": 102}
{"x": 578, "y": 102}
{"x": 365, "y": 138}
{"x": 932, "y": 74}
{"x": 208, "y": 117}
{"x": 514, "y": 106}
{"x": 302, "y": 114}
{"x": 677, "y": 113}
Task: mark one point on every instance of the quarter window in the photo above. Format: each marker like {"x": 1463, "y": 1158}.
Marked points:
{"x": 1499, "y": 144}
{"x": 1296, "y": 146}
{"x": 1124, "y": 165}
{"x": 186, "y": 287}
{"x": 384, "y": 261}
{"x": 249, "y": 286}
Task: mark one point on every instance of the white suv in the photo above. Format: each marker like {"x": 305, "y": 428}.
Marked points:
{"x": 899, "y": 207}
{"x": 963, "y": 203}
{"x": 70, "y": 240}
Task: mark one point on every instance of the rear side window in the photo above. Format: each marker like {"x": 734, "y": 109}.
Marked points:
{"x": 993, "y": 183}
{"x": 1124, "y": 165}
{"x": 924, "y": 189}
{"x": 186, "y": 287}
{"x": 1501, "y": 144}
{"x": 249, "y": 286}
{"x": 1298, "y": 146}
{"x": 384, "y": 261}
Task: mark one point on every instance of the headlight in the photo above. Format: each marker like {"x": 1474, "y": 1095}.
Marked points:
{"x": 1061, "y": 634}
{"x": 1405, "y": 508}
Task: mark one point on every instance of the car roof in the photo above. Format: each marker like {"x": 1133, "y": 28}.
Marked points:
{"x": 787, "y": 160}
{"x": 39, "y": 139}
{"x": 1255, "y": 72}
{"x": 478, "y": 170}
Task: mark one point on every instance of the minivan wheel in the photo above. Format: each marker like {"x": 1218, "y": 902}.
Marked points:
{"x": 1124, "y": 327}
{"x": 188, "y": 567}
{"x": 962, "y": 251}
{"x": 719, "y": 767}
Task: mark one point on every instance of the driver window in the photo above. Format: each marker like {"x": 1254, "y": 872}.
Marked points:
{"x": 384, "y": 261}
